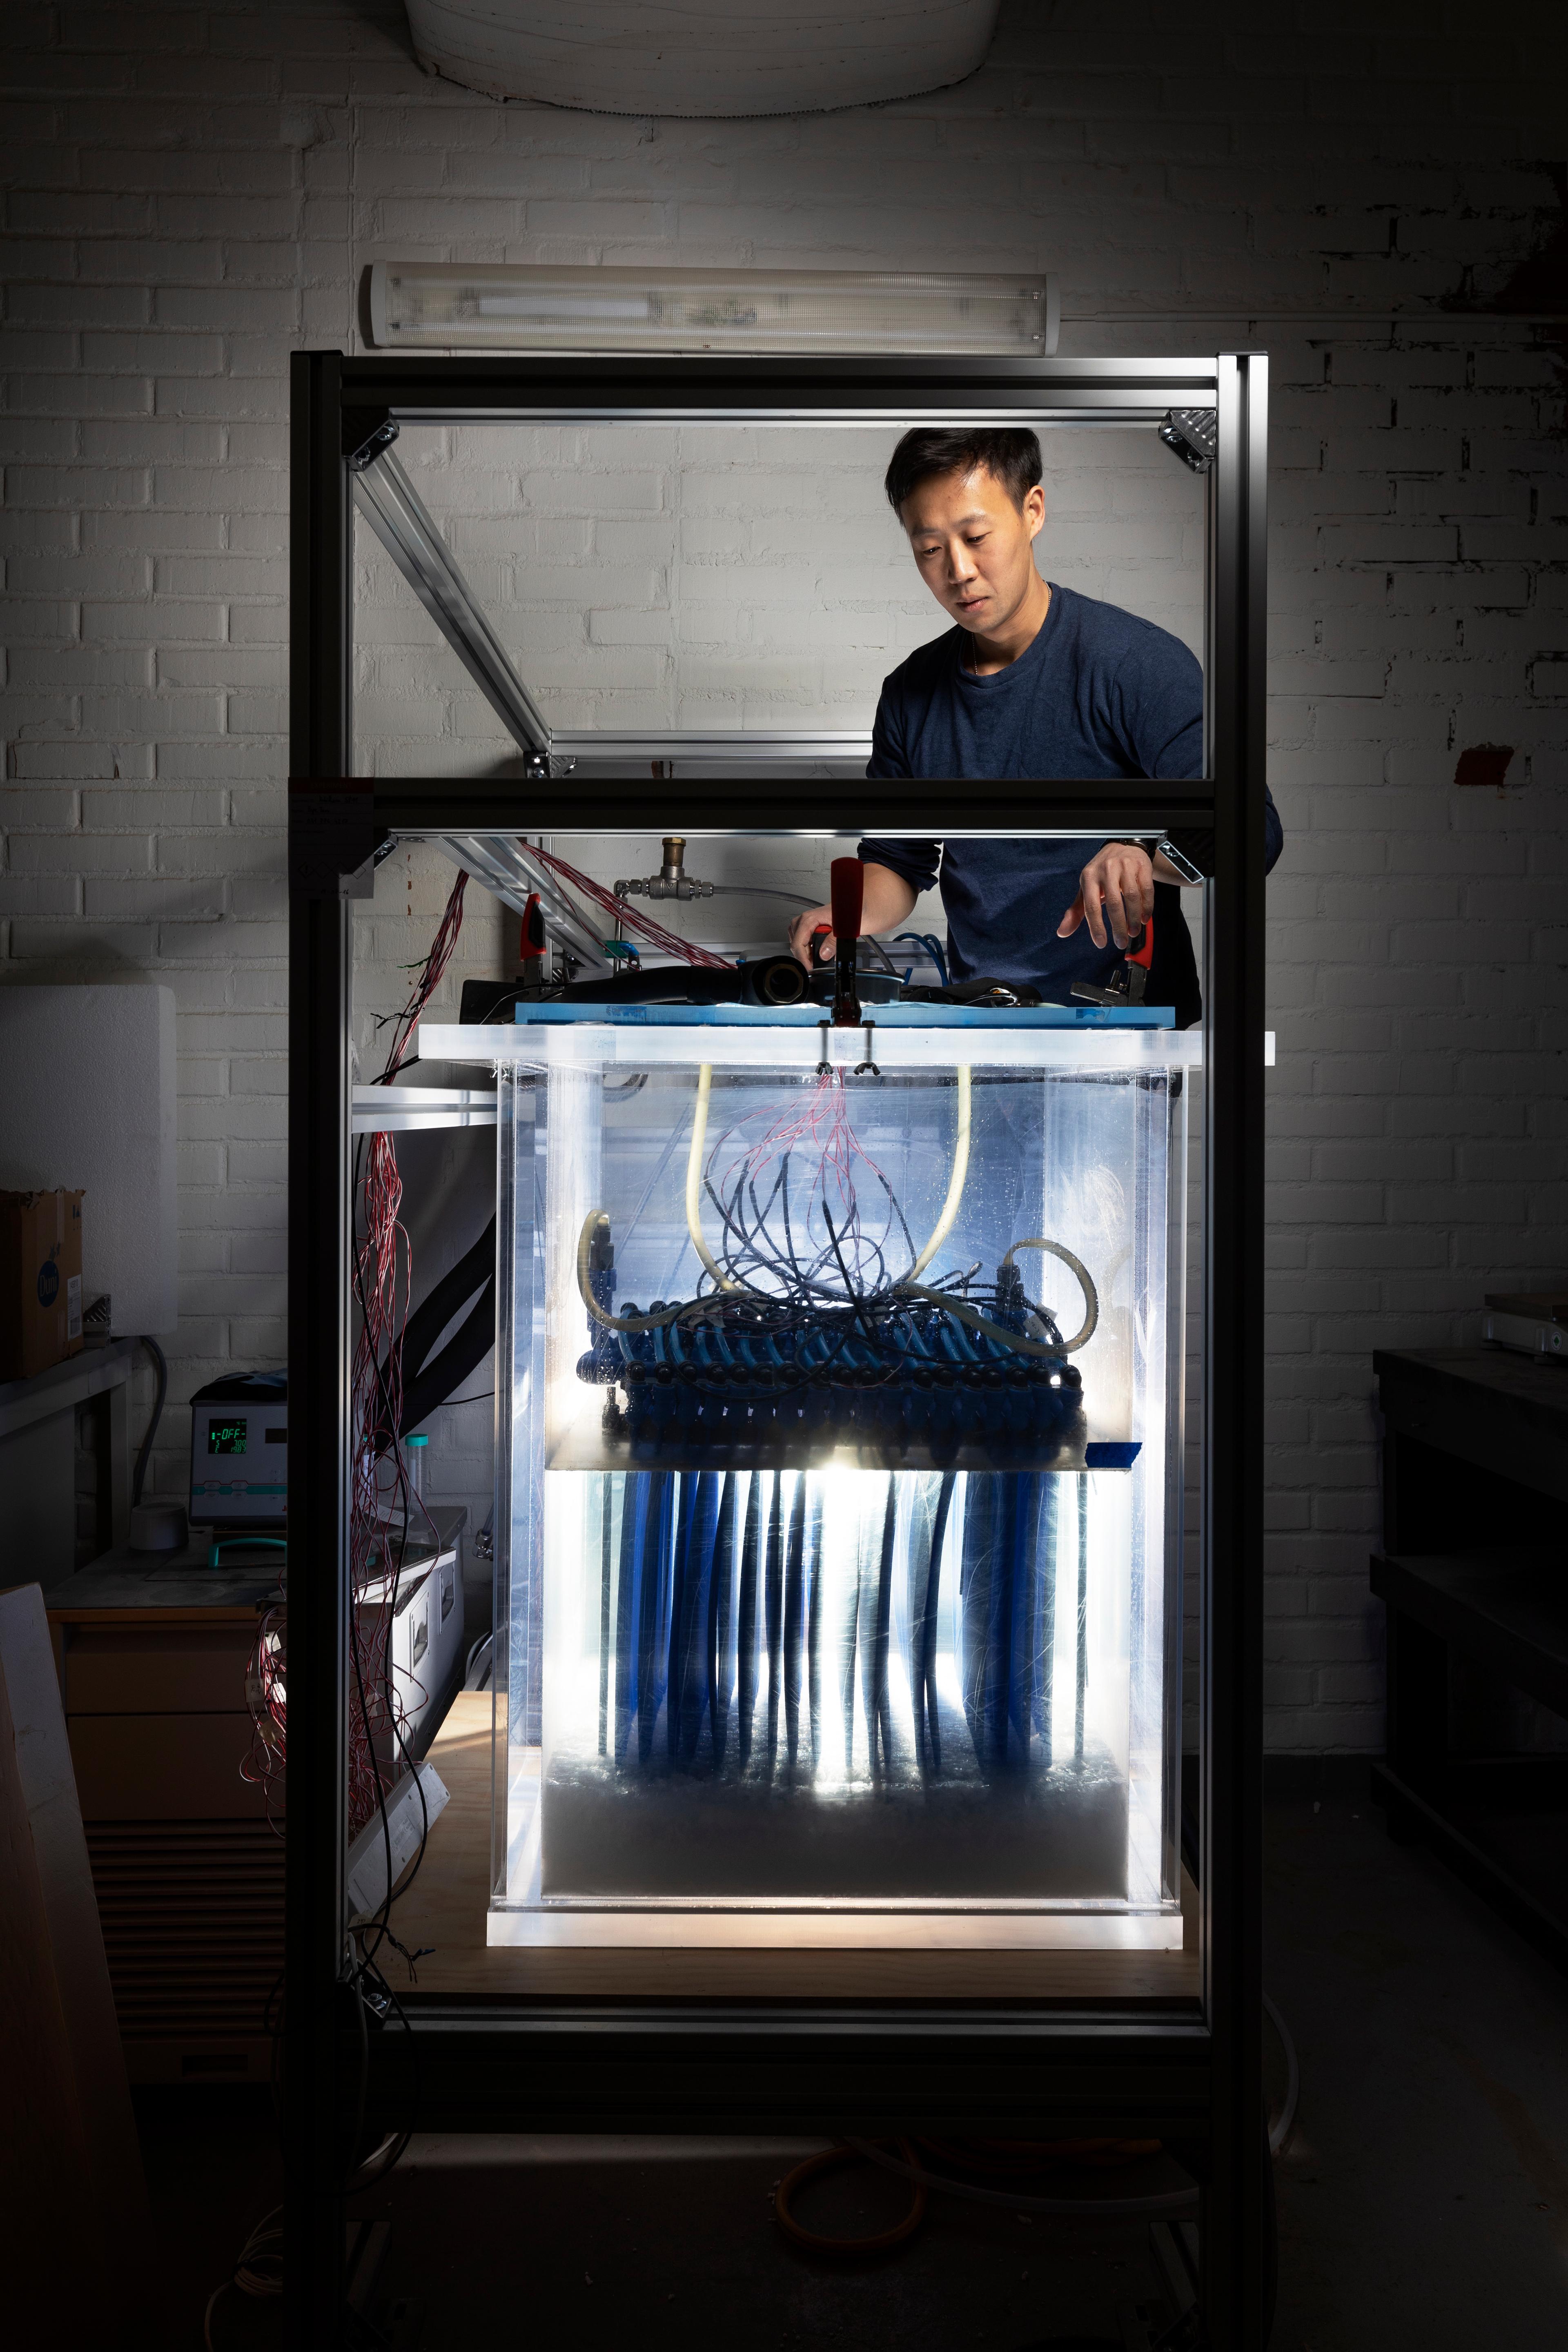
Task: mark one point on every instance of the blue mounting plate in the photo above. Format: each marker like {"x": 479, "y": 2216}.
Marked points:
{"x": 884, "y": 1017}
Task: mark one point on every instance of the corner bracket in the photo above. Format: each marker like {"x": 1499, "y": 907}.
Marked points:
{"x": 1194, "y": 435}
{"x": 366, "y": 433}
{"x": 334, "y": 841}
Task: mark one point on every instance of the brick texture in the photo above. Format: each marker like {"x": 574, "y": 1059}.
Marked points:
{"x": 193, "y": 192}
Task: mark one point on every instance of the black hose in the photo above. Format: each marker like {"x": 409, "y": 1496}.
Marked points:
{"x": 467, "y": 1348}
{"x": 426, "y": 1385}
{"x": 145, "y": 1455}
{"x": 755, "y": 890}
{"x": 456, "y": 1288}
{"x": 665, "y": 984}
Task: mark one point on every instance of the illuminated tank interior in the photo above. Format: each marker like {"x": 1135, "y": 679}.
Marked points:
{"x": 842, "y": 1573}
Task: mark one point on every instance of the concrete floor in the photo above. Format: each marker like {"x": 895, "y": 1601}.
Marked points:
{"x": 1423, "y": 2199}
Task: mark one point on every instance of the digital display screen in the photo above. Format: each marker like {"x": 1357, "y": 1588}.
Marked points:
{"x": 226, "y": 1436}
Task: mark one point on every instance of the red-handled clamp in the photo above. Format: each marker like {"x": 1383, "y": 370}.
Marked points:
{"x": 1129, "y": 983}
{"x": 846, "y": 892}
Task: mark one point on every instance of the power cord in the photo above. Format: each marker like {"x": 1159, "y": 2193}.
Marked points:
{"x": 827, "y": 2160}
{"x": 257, "y": 2272}
{"x": 1170, "y": 2205}
{"x": 1284, "y": 2123}
{"x": 145, "y": 1455}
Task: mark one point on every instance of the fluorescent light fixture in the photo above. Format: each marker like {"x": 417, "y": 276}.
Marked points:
{"x": 498, "y": 306}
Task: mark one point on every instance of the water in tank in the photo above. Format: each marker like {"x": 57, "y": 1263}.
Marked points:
{"x": 839, "y": 1566}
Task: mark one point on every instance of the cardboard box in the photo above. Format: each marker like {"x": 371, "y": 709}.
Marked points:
{"x": 40, "y": 1281}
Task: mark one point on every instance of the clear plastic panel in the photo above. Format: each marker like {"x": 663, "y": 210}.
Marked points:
{"x": 841, "y": 1569}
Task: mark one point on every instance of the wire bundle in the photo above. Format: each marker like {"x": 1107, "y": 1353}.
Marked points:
{"x": 625, "y": 917}
{"x": 258, "y": 2271}
{"x": 429, "y": 977}
{"x": 382, "y": 1277}
{"x": 814, "y": 1323}
{"x": 840, "y": 1255}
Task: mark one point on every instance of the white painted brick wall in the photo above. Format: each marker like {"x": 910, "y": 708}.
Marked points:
{"x": 194, "y": 191}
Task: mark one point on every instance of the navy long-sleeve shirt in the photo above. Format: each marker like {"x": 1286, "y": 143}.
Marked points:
{"x": 1099, "y": 693}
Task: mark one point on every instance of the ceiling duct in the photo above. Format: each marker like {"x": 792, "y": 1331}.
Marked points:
{"x": 701, "y": 58}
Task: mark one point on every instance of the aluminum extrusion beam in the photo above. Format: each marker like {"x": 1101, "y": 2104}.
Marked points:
{"x": 850, "y": 2066}
{"x": 404, "y": 1110}
{"x": 318, "y": 1998}
{"x": 829, "y": 808}
{"x": 505, "y": 867}
{"x": 895, "y": 391}
{"x": 725, "y": 753}
{"x": 400, "y": 520}
{"x": 1235, "y": 2215}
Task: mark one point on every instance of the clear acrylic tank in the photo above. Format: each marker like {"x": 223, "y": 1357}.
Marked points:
{"x": 838, "y": 1540}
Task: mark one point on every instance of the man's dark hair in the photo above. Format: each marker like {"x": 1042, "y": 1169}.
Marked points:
{"x": 1011, "y": 453}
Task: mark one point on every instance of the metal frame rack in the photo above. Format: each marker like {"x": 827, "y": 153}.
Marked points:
{"x": 1190, "y": 2074}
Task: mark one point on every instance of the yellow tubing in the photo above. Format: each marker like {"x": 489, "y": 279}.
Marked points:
{"x": 694, "y": 1180}
{"x": 955, "y": 1185}
{"x": 955, "y": 1306}
{"x": 964, "y": 1313}
{"x": 1090, "y": 1296}
{"x": 614, "y": 1322}
{"x": 693, "y": 1225}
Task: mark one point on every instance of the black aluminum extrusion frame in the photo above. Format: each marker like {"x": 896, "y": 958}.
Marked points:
{"x": 1190, "y": 2074}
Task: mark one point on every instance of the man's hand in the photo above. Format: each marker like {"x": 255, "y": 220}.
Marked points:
{"x": 1115, "y": 889}
{"x": 800, "y": 932}
{"x": 887, "y": 901}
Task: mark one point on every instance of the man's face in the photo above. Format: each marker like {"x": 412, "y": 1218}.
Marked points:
{"x": 973, "y": 546}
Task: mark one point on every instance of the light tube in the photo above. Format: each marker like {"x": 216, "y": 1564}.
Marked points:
{"x": 502, "y": 305}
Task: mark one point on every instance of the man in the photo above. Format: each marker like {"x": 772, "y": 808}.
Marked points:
{"x": 1033, "y": 680}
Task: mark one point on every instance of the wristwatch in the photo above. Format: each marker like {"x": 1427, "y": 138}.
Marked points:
{"x": 1161, "y": 845}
